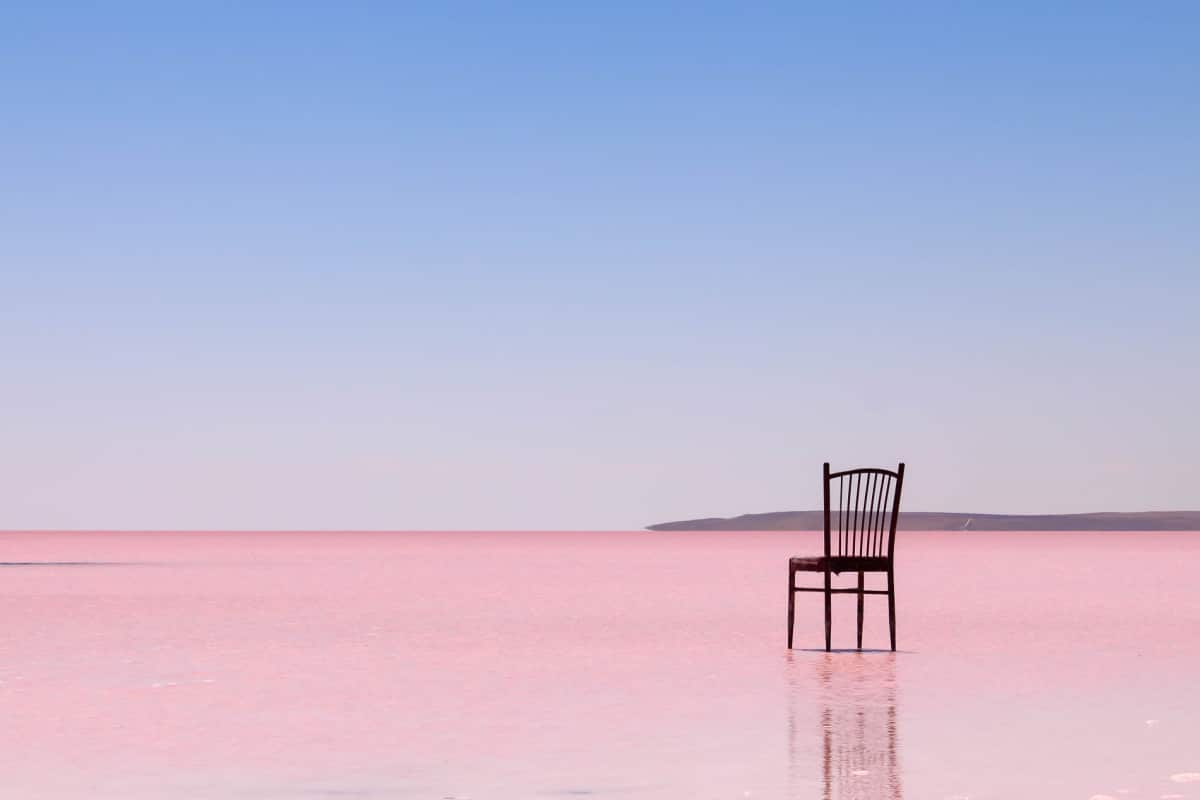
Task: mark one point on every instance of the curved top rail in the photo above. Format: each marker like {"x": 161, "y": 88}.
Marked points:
{"x": 865, "y": 471}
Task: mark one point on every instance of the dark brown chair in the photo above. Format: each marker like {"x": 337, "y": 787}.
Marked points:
{"x": 859, "y": 537}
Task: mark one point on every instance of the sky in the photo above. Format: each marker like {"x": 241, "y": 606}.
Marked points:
{"x": 593, "y": 265}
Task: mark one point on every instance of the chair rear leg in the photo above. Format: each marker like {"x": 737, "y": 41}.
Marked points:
{"x": 828, "y": 613}
{"x": 892, "y": 608}
{"x": 791, "y": 603}
{"x": 861, "y": 585}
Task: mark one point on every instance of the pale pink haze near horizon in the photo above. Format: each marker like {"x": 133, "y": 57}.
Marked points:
{"x": 623, "y": 664}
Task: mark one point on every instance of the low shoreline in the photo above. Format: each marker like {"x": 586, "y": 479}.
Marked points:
{"x": 953, "y": 521}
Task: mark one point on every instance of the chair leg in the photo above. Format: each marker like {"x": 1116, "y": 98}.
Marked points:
{"x": 791, "y": 603}
{"x": 828, "y": 614}
{"x": 861, "y": 585}
{"x": 892, "y": 608}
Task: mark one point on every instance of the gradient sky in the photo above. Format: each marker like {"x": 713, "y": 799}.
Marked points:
{"x": 565, "y": 265}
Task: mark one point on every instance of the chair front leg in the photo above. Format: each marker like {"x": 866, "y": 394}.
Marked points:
{"x": 791, "y": 604}
{"x": 892, "y": 607}
{"x": 828, "y": 612}
{"x": 861, "y": 585}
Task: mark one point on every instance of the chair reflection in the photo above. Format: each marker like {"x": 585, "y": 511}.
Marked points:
{"x": 859, "y": 742}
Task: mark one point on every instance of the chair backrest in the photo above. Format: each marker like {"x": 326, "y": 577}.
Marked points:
{"x": 868, "y": 503}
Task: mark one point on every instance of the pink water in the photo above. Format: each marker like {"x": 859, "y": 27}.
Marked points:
{"x": 639, "y": 665}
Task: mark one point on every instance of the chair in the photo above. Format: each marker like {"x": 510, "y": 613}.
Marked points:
{"x": 864, "y": 541}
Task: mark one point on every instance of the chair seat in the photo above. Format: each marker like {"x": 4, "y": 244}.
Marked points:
{"x": 839, "y": 564}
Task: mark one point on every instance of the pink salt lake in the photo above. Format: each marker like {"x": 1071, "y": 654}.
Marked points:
{"x": 624, "y": 665}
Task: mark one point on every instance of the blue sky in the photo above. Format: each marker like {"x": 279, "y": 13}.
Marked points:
{"x": 378, "y": 265}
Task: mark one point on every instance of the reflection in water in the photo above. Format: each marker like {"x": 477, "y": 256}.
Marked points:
{"x": 855, "y": 716}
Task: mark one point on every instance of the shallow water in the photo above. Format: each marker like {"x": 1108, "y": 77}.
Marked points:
{"x": 640, "y": 665}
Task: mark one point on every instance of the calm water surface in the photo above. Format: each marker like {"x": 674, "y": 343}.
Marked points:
{"x": 638, "y": 665}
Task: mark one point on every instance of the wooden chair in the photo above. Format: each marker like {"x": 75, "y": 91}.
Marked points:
{"x": 864, "y": 541}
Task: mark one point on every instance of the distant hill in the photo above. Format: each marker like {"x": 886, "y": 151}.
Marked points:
{"x": 942, "y": 521}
